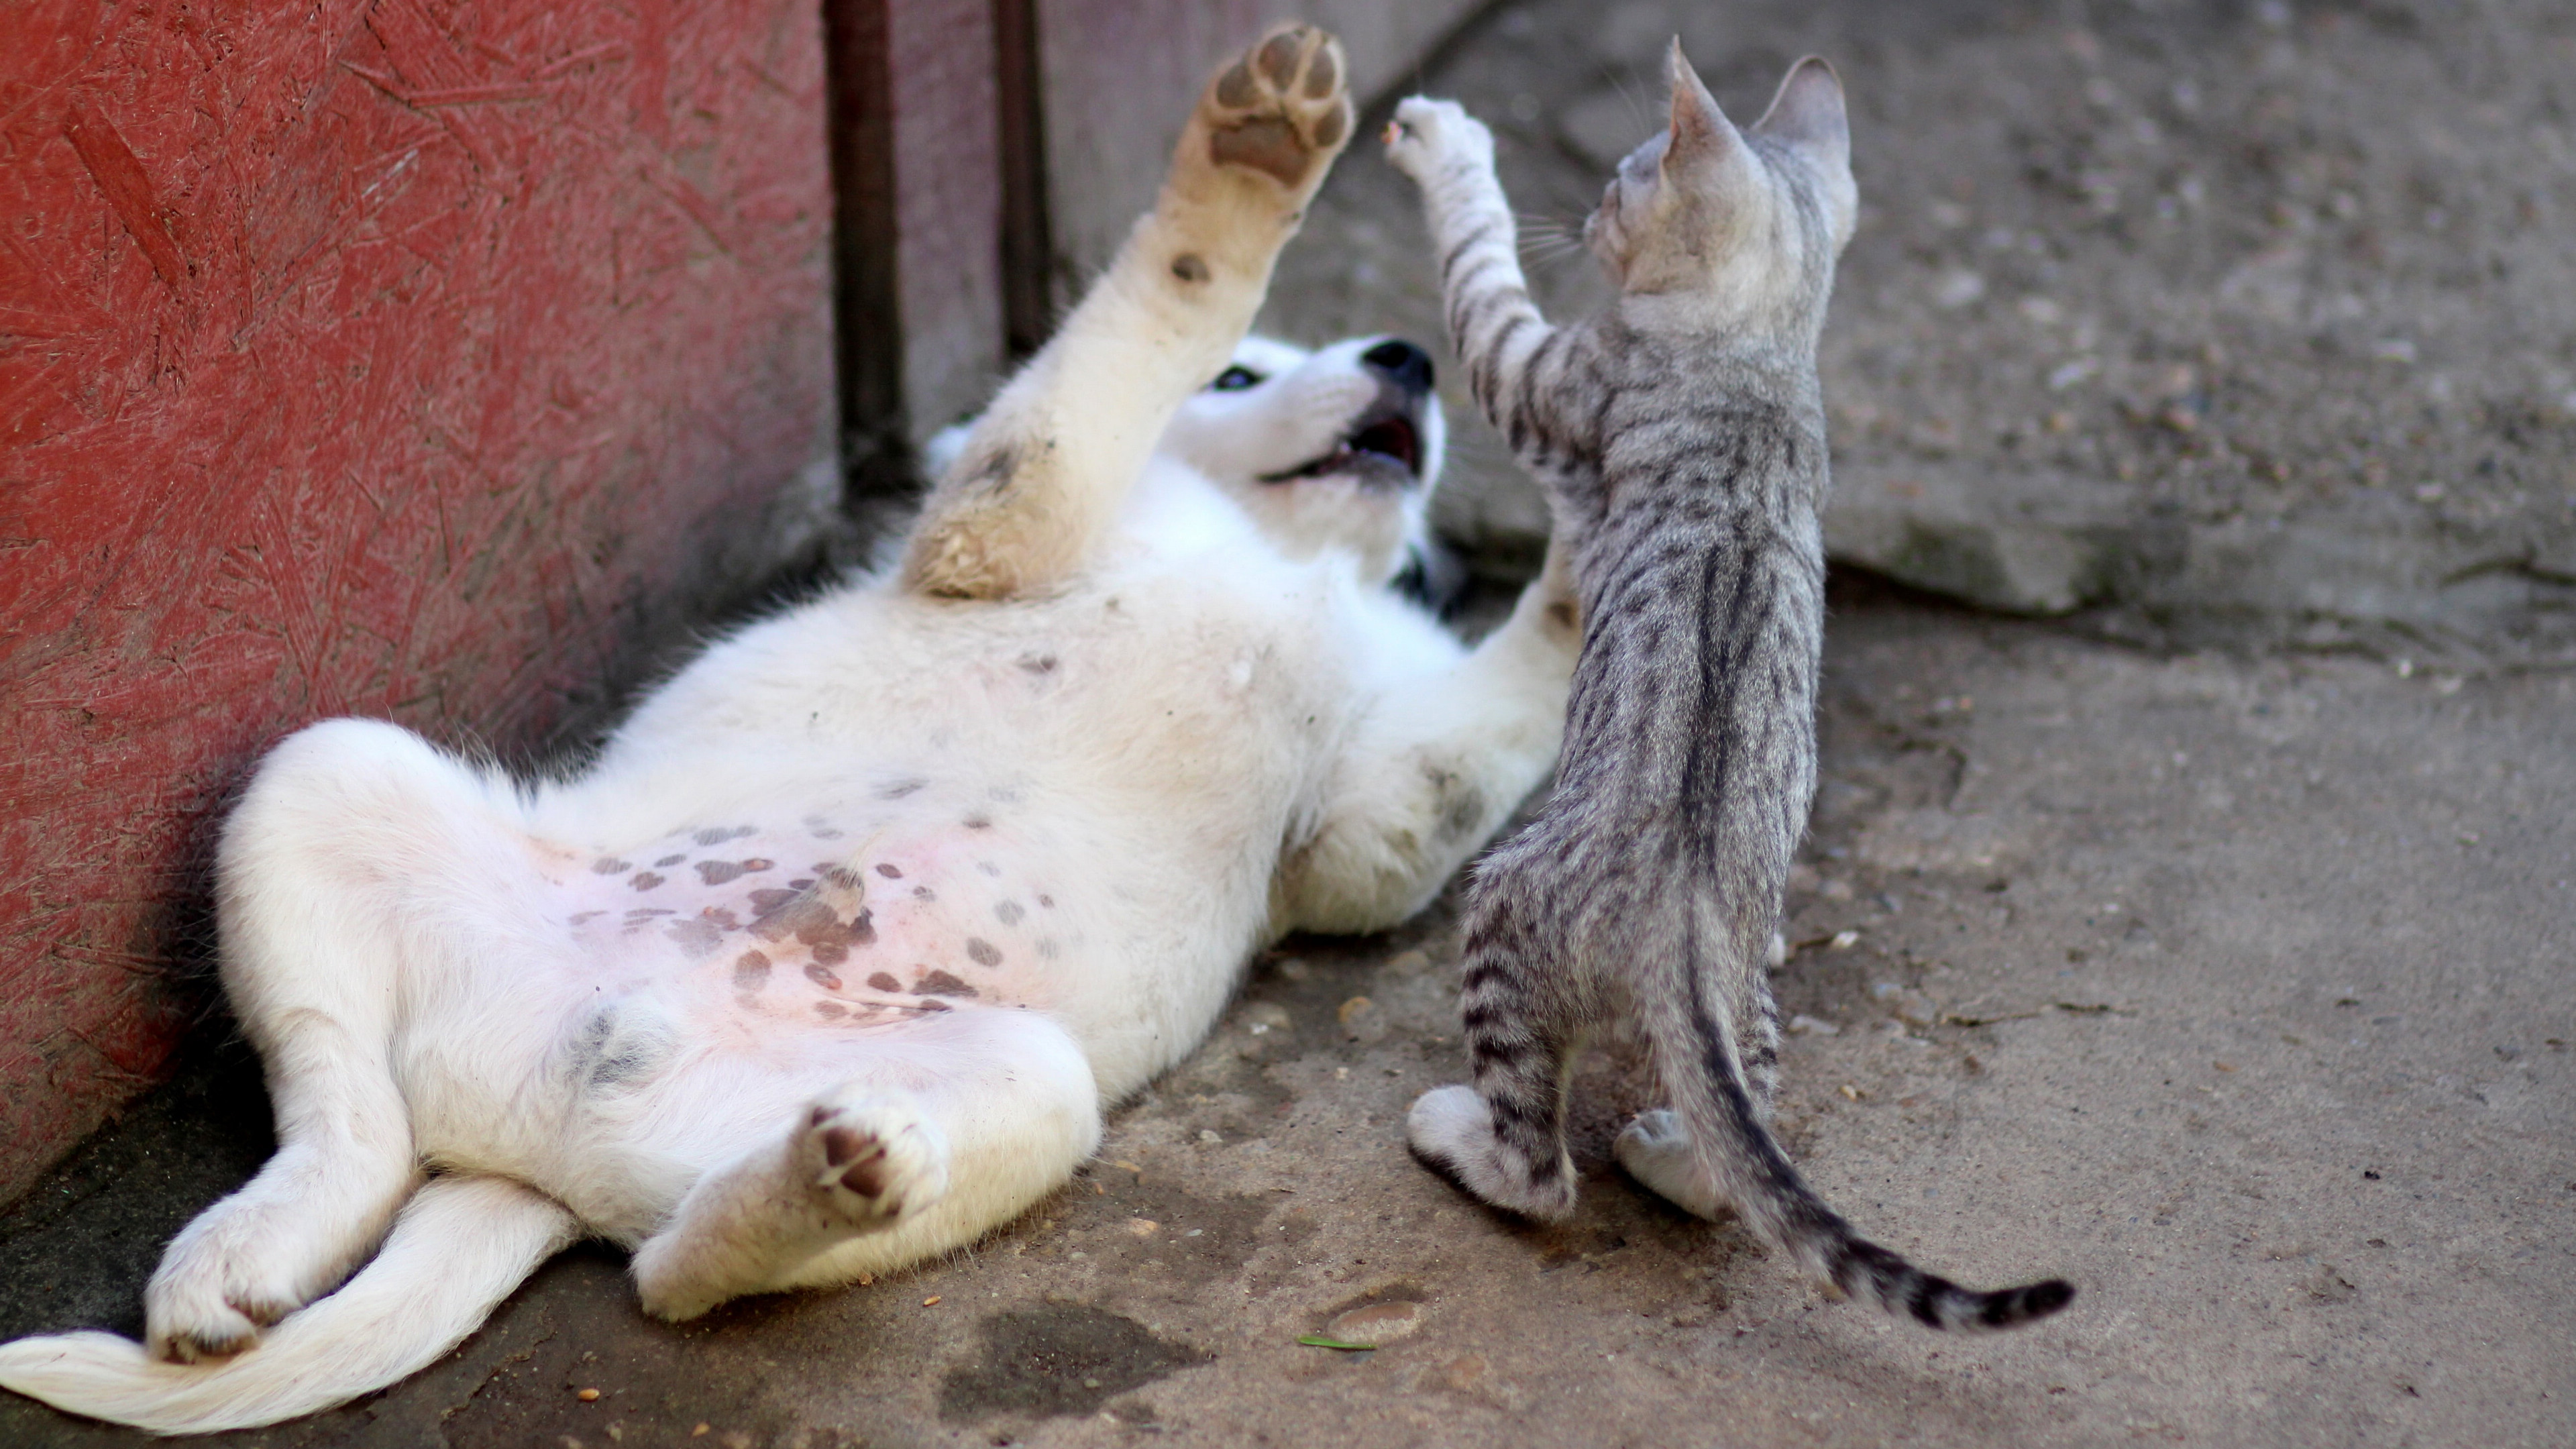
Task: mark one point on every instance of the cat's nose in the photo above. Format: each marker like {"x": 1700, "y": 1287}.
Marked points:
{"x": 1401, "y": 363}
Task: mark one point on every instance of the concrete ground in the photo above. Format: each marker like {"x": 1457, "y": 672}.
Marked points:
{"x": 2230, "y": 981}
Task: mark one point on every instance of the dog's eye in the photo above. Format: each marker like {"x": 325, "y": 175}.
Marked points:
{"x": 1235, "y": 379}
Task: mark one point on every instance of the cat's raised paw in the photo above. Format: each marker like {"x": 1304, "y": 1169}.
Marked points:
{"x": 872, "y": 1162}
{"x": 1283, "y": 109}
{"x": 1428, "y": 136}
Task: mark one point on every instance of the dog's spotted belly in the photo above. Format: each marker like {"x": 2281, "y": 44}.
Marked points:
{"x": 818, "y": 925}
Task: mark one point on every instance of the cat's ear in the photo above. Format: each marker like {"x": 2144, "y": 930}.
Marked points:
{"x": 1807, "y": 116}
{"x": 1807, "y": 112}
{"x": 1701, "y": 133}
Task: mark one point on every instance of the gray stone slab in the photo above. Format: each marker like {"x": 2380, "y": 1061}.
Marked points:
{"x": 2246, "y": 321}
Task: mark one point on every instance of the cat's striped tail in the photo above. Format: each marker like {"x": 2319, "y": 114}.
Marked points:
{"x": 1871, "y": 1273}
{"x": 459, "y": 1247}
{"x": 1712, "y": 1152}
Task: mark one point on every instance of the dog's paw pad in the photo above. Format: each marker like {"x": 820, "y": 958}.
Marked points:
{"x": 1282, "y": 108}
{"x": 874, "y": 1161}
{"x": 195, "y": 1328}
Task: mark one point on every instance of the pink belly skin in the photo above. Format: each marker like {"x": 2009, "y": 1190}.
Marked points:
{"x": 812, "y": 925}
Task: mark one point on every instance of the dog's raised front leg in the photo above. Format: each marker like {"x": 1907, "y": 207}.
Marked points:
{"x": 1437, "y": 765}
{"x": 943, "y": 1130}
{"x": 1049, "y": 464}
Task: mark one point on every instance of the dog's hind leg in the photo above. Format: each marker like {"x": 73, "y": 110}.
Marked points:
{"x": 1048, "y": 465}
{"x": 345, "y": 824}
{"x": 942, "y": 1131}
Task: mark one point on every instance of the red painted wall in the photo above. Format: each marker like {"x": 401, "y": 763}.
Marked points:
{"x": 407, "y": 358}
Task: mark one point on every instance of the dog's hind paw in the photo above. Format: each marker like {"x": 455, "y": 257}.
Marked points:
{"x": 219, "y": 1284}
{"x": 872, "y": 1162}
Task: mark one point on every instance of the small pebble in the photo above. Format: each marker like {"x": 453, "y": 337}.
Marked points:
{"x": 1377, "y": 1323}
{"x": 1905, "y": 1003}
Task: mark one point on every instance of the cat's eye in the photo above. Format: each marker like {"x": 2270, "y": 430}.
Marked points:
{"x": 1235, "y": 379}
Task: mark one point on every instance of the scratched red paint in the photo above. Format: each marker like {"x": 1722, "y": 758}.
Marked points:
{"x": 401, "y": 358}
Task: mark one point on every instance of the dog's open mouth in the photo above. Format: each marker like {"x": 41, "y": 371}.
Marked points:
{"x": 1381, "y": 439}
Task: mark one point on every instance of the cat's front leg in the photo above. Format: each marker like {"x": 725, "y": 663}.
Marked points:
{"x": 1049, "y": 463}
{"x": 1519, "y": 367}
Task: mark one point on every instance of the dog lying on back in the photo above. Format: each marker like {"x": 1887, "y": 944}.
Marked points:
{"x": 829, "y": 961}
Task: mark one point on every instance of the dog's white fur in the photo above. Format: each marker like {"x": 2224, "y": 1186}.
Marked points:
{"x": 1021, "y": 805}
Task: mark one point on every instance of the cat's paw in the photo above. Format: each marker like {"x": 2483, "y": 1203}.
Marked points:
{"x": 224, "y": 1278}
{"x": 1656, "y": 1151}
{"x": 1428, "y": 137}
{"x": 1452, "y": 1130}
{"x": 870, "y": 1162}
{"x": 1283, "y": 109}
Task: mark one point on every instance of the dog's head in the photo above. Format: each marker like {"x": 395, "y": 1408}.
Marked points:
{"x": 1334, "y": 448}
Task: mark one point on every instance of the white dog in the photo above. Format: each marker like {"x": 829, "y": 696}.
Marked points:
{"x": 830, "y": 960}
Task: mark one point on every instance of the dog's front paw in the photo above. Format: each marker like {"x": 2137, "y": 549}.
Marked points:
{"x": 1283, "y": 109}
{"x": 871, "y": 1163}
{"x": 1428, "y": 137}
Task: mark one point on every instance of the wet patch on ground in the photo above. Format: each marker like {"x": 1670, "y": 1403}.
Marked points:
{"x": 1056, "y": 1360}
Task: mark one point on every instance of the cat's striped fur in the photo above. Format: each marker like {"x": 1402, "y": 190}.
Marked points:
{"x": 1681, "y": 438}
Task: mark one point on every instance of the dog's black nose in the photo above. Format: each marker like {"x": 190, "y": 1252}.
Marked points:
{"x": 1401, "y": 363}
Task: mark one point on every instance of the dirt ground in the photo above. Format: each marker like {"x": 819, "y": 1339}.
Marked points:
{"x": 2215, "y": 956}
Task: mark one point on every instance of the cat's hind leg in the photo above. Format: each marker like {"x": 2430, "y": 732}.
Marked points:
{"x": 939, "y": 1132}
{"x": 1524, "y": 1009}
{"x": 1048, "y": 465}
{"x": 343, "y": 822}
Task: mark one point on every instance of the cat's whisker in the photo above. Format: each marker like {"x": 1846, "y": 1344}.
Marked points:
{"x": 1627, "y": 83}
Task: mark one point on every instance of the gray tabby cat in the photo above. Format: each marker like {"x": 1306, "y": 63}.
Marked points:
{"x": 1681, "y": 437}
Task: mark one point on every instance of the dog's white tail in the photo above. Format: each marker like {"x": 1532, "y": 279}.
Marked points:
{"x": 460, "y": 1246}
